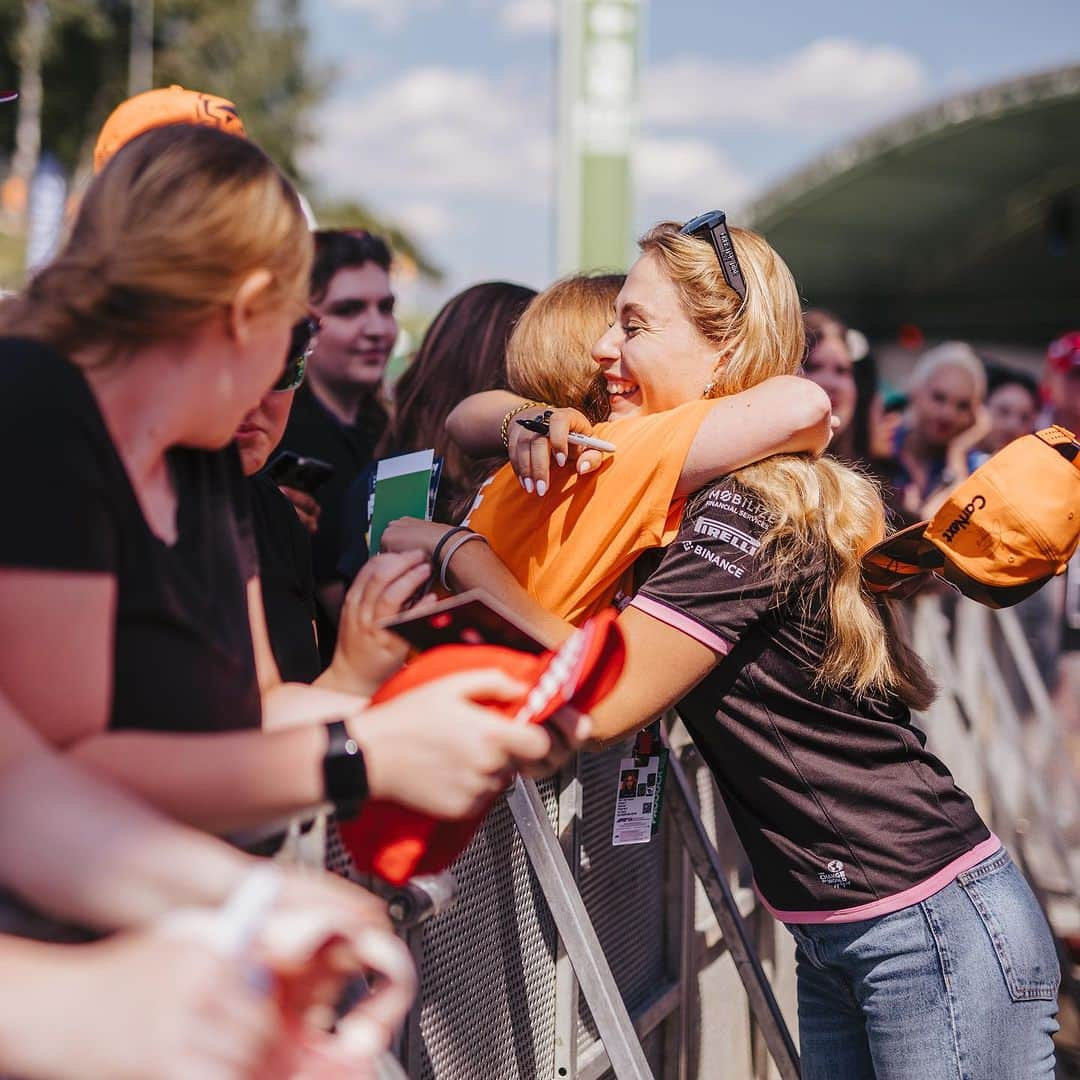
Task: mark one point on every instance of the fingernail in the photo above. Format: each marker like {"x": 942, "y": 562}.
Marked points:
{"x": 583, "y": 467}
{"x": 560, "y": 460}
{"x": 528, "y": 485}
{"x": 541, "y": 487}
{"x": 521, "y": 483}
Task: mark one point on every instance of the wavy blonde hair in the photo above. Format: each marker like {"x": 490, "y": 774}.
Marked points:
{"x": 165, "y": 235}
{"x": 822, "y": 508}
{"x": 549, "y": 355}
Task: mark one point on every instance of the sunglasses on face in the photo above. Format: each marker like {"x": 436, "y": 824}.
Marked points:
{"x": 712, "y": 226}
{"x": 300, "y": 347}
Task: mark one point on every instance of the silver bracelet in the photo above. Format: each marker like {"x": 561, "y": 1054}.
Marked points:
{"x": 461, "y": 540}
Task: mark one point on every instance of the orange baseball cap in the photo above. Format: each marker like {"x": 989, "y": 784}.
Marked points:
{"x": 158, "y": 108}
{"x": 1002, "y": 534}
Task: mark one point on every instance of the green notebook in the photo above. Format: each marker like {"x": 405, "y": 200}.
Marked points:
{"x": 402, "y": 489}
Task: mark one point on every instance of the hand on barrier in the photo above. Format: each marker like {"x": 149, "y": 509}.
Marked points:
{"x": 531, "y": 454}
{"x": 366, "y": 655}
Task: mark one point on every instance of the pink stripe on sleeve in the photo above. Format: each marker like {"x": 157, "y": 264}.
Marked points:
{"x": 679, "y": 621}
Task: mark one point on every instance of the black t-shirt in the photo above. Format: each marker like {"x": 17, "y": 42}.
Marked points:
{"x": 314, "y": 432}
{"x": 183, "y": 658}
{"x": 835, "y": 798}
{"x": 288, "y": 587}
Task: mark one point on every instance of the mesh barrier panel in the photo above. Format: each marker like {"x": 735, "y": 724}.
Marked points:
{"x": 623, "y": 889}
{"x": 486, "y": 1009}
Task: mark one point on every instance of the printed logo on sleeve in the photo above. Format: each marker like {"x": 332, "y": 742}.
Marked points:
{"x": 834, "y": 875}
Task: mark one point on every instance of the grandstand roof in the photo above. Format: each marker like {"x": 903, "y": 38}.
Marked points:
{"x": 963, "y": 218}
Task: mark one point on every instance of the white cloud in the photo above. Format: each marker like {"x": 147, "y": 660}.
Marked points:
{"x": 679, "y": 177}
{"x": 832, "y": 84}
{"x": 390, "y": 15}
{"x": 430, "y": 220}
{"x": 437, "y": 130}
{"x": 522, "y": 18}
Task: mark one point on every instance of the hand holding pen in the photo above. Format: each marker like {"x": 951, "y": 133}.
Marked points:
{"x": 564, "y": 435}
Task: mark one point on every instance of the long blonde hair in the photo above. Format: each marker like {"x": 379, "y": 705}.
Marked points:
{"x": 165, "y": 235}
{"x": 820, "y": 507}
{"x": 549, "y": 355}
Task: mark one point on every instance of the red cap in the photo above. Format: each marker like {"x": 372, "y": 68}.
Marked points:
{"x": 397, "y": 843}
{"x": 1064, "y": 353}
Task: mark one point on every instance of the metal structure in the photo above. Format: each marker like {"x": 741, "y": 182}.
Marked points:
{"x": 599, "y": 61}
{"x": 961, "y": 218}
{"x": 567, "y": 957}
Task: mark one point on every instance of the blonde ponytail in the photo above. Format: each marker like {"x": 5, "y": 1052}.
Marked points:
{"x": 821, "y": 508}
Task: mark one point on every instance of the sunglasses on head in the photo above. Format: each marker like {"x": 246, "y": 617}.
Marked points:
{"x": 300, "y": 346}
{"x": 712, "y": 226}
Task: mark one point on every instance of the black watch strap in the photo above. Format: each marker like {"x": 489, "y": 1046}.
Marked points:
{"x": 344, "y": 773}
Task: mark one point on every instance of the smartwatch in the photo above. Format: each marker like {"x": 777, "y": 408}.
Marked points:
{"x": 344, "y": 774}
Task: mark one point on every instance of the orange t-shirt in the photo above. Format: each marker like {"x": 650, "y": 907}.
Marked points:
{"x": 571, "y": 547}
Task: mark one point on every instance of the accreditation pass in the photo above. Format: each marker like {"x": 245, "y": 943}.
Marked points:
{"x": 637, "y": 801}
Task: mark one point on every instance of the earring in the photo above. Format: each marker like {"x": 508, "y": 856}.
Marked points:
{"x": 710, "y": 386}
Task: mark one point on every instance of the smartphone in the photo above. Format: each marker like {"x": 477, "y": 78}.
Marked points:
{"x": 303, "y": 473}
{"x": 470, "y": 618}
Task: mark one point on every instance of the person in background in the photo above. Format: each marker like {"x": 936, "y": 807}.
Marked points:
{"x": 829, "y": 363}
{"x": 945, "y": 421}
{"x": 1061, "y": 389}
{"x": 1012, "y": 405}
{"x": 338, "y": 415}
{"x": 463, "y": 352}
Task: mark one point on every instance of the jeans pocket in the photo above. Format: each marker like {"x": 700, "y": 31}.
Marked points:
{"x": 1016, "y": 927}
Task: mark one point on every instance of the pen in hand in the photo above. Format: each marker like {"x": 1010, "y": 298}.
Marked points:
{"x": 542, "y": 427}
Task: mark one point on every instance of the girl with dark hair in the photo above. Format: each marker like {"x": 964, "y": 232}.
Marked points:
{"x": 463, "y": 352}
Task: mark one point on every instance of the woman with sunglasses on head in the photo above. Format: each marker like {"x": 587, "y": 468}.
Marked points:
{"x": 921, "y": 950}
{"x": 574, "y": 548}
{"x": 130, "y": 610}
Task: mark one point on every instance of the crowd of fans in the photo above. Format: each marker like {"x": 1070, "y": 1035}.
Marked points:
{"x": 191, "y": 637}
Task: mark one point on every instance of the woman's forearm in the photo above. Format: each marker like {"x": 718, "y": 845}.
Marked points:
{"x": 219, "y": 782}
{"x": 476, "y": 423}
{"x": 782, "y": 415}
{"x": 477, "y": 566}
{"x": 86, "y": 852}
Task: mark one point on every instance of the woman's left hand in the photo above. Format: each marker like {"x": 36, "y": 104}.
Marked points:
{"x": 413, "y": 534}
{"x": 366, "y": 655}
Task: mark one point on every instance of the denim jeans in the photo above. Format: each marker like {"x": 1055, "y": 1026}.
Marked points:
{"x": 962, "y": 986}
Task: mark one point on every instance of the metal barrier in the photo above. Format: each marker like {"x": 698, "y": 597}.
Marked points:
{"x": 551, "y": 918}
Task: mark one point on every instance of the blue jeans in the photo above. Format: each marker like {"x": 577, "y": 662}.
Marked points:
{"x": 962, "y": 986}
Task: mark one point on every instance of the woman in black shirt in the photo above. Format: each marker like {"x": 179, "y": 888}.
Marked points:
{"x": 922, "y": 952}
{"x": 130, "y": 611}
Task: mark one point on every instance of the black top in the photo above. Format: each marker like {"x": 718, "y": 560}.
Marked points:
{"x": 183, "y": 659}
{"x": 315, "y": 432}
{"x": 835, "y": 798}
{"x": 288, "y": 587}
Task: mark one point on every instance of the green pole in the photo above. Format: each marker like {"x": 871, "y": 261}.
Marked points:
{"x": 599, "y": 62}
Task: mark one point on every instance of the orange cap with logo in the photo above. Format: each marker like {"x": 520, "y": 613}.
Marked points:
{"x": 158, "y": 108}
{"x": 1002, "y": 533}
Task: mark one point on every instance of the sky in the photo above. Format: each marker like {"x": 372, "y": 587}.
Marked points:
{"x": 442, "y": 113}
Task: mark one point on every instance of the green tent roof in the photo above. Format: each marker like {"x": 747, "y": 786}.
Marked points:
{"x": 963, "y": 218}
